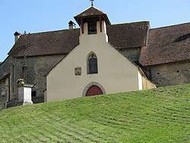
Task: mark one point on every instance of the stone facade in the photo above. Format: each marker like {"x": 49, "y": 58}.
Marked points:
{"x": 170, "y": 74}
{"x": 5, "y": 81}
{"x": 4, "y": 93}
{"x": 32, "y": 69}
{"x": 132, "y": 54}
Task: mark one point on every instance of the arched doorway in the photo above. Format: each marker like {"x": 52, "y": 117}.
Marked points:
{"x": 94, "y": 90}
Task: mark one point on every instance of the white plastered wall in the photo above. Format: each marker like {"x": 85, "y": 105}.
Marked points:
{"x": 115, "y": 72}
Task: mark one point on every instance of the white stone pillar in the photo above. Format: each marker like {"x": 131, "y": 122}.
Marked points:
{"x": 25, "y": 94}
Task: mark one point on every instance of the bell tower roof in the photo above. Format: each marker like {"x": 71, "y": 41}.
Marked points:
{"x": 92, "y": 13}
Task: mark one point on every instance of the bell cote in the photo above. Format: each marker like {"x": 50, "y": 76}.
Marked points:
{"x": 92, "y": 21}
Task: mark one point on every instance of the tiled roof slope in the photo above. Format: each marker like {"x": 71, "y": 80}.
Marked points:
{"x": 47, "y": 43}
{"x": 62, "y": 42}
{"x": 166, "y": 45}
{"x": 91, "y": 12}
{"x": 128, "y": 35}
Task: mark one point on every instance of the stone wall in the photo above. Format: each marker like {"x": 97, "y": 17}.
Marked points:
{"x": 5, "y": 82}
{"x": 170, "y": 74}
{"x": 2, "y": 102}
{"x": 33, "y": 70}
{"x": 132, "y": 54}
{"x": 5, "y": 67}
{"x": 4, "y": 92}
{"x": 3, "y": 97}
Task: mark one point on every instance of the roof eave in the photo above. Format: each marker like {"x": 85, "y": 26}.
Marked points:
{"x": 104, "y": 16}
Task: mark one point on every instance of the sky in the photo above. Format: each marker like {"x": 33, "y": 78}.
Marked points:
{"x": 35, "y": 16}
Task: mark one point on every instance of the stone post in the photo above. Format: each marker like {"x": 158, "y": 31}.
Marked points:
{"x": 24, "y": 93}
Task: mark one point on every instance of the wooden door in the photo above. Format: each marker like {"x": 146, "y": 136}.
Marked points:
{"x": 94, "y": 90}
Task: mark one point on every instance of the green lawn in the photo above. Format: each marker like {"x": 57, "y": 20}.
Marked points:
{"x": 154, "y": 116}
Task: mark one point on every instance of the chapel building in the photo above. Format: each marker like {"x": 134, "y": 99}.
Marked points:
{"x": 97, "y": 58}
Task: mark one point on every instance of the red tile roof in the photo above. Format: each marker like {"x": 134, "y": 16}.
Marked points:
{"x": 166, "y": 45}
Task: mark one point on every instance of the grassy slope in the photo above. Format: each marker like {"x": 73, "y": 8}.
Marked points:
{"x": 156, "y": 116}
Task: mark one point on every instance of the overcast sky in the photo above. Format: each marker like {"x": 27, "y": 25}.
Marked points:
{"x": 35, "y": 16}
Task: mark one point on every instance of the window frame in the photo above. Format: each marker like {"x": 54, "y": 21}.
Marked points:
{"x": 92, "y": 27}
{"x": 92, "y": 63}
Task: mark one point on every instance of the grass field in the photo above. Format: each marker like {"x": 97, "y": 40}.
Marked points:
{"x": 154, "y": 116}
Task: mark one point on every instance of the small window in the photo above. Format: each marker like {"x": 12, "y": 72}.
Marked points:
{"x": 92, "y": 27}
{"x": 33, "y": 93}
{"x": 92, "y": 64}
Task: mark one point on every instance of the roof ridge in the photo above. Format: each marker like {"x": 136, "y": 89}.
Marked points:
{"x": 130, "y": 23}
{"x": 174, "y": 25}
{"x": 53, "y": 31}
{"x": 88, "y": 9}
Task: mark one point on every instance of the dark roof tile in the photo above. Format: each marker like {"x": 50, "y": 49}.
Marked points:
{"x": 121, "y": 36}
{"x": 92, "y": 12}
{"x": 128, "y": 35}
{"x": 166, "y": 45}
{"x": 47, "y": 43}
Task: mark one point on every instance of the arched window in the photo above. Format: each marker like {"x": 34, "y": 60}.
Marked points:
{"x": 92, "y": 64}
